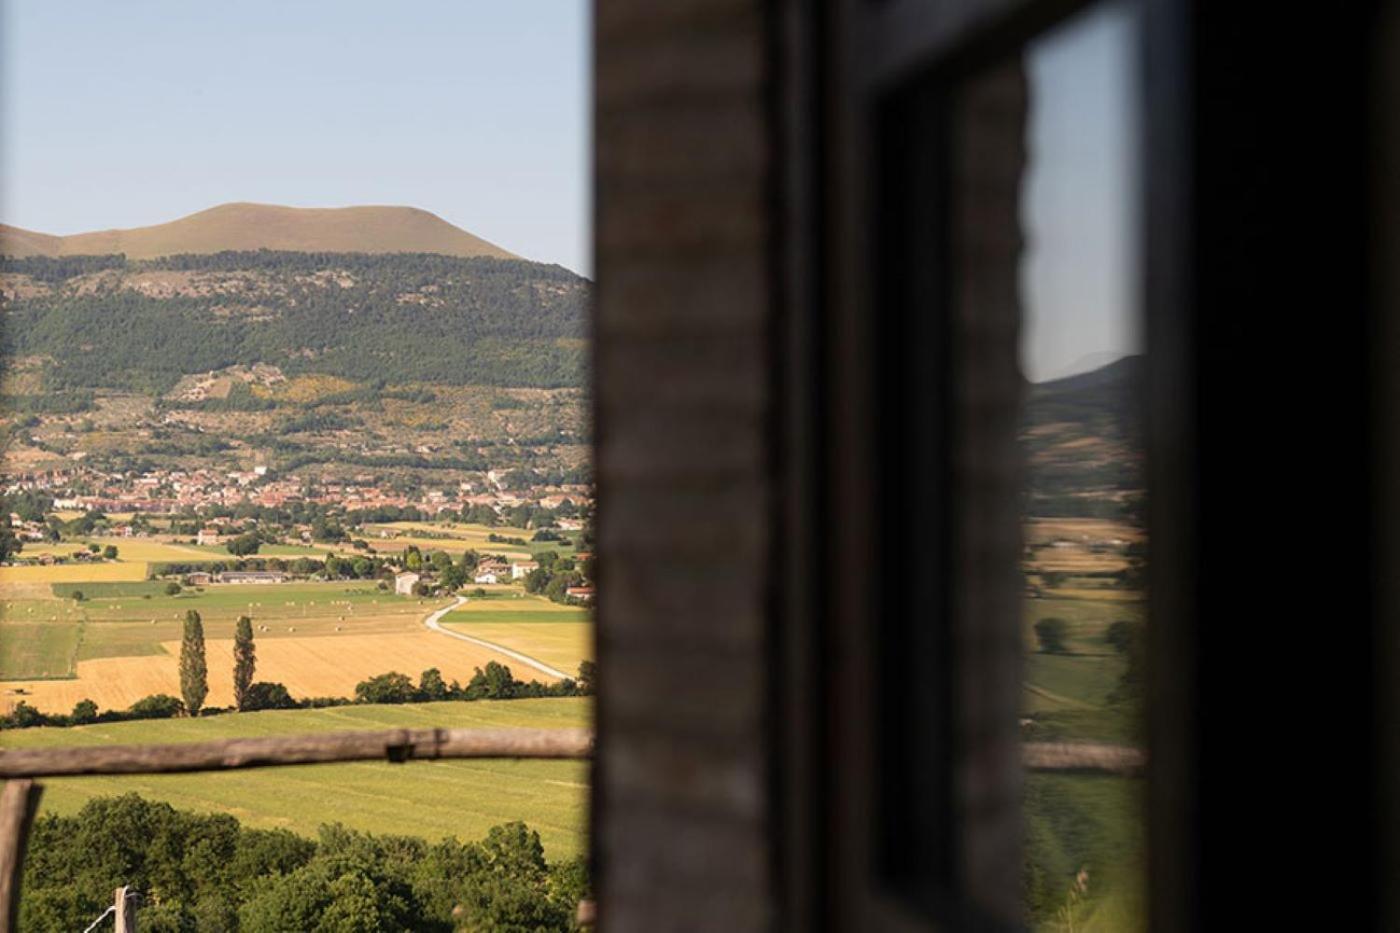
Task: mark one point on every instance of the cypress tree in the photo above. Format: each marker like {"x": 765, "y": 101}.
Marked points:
{"x": 244, "y": 661}
{"x": 194, "y": 667}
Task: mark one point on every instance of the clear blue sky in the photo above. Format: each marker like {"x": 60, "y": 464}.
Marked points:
{"x": 119, "y": 114}
{"x": 1079, "y": 205}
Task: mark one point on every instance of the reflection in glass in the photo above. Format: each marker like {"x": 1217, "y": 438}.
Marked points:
{"x": 1084, "y": 533}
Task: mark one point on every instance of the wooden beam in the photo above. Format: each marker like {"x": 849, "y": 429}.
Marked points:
{"x": 18, "y": 802}
{"x": 396, "y": 745}
{"x": 1083, "y": 757}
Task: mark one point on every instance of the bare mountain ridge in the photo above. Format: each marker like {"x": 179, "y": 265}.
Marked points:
{"x": 244, "y": 226}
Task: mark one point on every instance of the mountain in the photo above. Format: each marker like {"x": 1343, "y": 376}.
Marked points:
{"x": 246, "y": 227}
{"x": 1083, "y": 440}
{"x": 114, "y": 323}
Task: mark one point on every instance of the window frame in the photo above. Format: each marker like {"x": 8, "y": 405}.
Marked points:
{"x": 854, "y": 63}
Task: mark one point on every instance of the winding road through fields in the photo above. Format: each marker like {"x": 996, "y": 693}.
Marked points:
{"x": 434, "y": 622}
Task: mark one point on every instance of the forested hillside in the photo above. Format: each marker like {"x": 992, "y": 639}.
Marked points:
{"x": 106, "y": 322}
{"x": 1083, "y": 437}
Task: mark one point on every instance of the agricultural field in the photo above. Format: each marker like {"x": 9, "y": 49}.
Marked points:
{"x": 121, "y": 641}
{"x": 432, "y": 799}
{"x": 74, "y": 573}
{"x": 457, "y": 536}
{"x": 1090, "y": 822}
{"x": 560, "y": 636}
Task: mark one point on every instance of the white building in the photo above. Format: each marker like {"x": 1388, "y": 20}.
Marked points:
{"x": 403, "y": 582}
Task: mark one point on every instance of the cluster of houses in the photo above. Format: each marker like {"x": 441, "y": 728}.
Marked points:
{"x": 492, "y": 571}
{"x": 174, "y": 491}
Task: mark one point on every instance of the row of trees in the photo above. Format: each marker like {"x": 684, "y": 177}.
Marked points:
{"x": 194, "y": 670}
{"x": 494, "y": 682}
{"x": 207, "y": 872}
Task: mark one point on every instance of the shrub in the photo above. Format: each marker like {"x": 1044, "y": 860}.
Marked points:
{"x": 85, "y": 711}
{"x": 267, "y": 695}
{"x": 1051, "y": 632}
{"x": 392, "y": 687}
{"x": 172, "y": 588}
{"x": 78, "y": 595}
{"x": 157, "y": 706}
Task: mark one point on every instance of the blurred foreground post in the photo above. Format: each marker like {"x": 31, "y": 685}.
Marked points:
{"x": 124, "y": 907}
{"x": 18, "y": 803}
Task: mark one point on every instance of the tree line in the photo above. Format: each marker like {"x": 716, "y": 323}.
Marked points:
{"x": 494, "y": 682}
{"x": 206, "y": 872}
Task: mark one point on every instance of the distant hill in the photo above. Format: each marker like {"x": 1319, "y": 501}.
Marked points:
{"x": 104, "y": 322}
{"x": 243, "y": 227}
{"x": 1083, "y": 440}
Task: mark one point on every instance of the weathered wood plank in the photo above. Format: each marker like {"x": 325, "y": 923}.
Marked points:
{"x": 1083, "y": 756}
{"x": 392, "y": 744}
{"x": 18, "y": 802}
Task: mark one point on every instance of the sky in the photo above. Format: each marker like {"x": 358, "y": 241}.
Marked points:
{"x": 1079, "y": 203}
{"x": 122, "y": 114}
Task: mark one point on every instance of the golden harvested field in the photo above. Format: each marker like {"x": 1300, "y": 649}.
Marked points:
{"x": 560, "y": 636}
{"x": 562, "y": 645}
{"x": 324, "y": 665}
{"x": 134, "y": 549}
{"x": 506, "y": 598}
{"x": 462, "y": 536}
{"x": 453, "y": 546}
{"x": 122, "y": 570}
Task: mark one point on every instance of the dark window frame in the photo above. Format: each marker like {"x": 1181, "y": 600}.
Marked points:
{"x": 1239, "y": 143}
{"x": 878, "y": 82}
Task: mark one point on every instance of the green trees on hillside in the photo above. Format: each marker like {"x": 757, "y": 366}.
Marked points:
{"x": 402, "y": 318}
{"x": 194, "y": 667}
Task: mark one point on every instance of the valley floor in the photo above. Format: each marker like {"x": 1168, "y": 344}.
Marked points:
{"x": 431, "y": 799}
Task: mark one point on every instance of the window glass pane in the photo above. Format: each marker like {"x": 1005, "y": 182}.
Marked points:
{"x": 1084, "y": 535}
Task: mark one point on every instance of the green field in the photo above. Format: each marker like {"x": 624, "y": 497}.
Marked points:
{"x": 43, "y": 638}
{"x": 1088, "y": 822}
{"x": 454, "y": 537}
{"x": 560, "y": 636}
{"x": 432, "y": 799}
{"x": 131, "y": 620}
{"x": 38, "y": 650}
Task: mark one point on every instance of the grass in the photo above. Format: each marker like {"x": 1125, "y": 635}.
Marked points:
{"x": 38, "y": 650}
{"x": 74, "y": 573}
{"x": 560, "y": 636}
{"x": 1087, "y": 822}
{"x": 97, "y": 590}
{"x": 118, "y": 621}
{"x": 1078, "y": 822}
{"x": 429, "y": 799}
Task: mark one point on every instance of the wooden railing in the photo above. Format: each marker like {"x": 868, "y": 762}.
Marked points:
{"x": 19, "y": 800}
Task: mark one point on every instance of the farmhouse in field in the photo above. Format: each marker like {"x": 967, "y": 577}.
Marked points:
{"x": 251, "y": 576}
{"x": 403, "y": 582}
{"x": 583, "y": 593}
{"x": 209, "y": 536}
{"x": 490, "y": 571}
{"x": 521, "y": 567}
{"x": 199, "y": 578}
